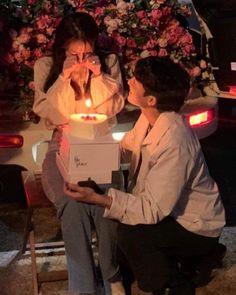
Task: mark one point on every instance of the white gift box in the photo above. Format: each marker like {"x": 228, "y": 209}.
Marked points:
{"x": 83, "y": 159}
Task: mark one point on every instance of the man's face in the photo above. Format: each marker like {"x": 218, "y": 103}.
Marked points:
{"x": 136, "y": 93}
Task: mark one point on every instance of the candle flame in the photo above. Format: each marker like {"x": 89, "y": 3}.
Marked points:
{"x": 88, "y": 102}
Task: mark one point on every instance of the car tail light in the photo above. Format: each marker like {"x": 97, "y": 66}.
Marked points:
{"x": 232, "y": 90}
{"x": 11, "y": 141}
{"x": 201, "y": 118}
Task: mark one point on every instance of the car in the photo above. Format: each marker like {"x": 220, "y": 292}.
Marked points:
{"x": 23, "y": 144}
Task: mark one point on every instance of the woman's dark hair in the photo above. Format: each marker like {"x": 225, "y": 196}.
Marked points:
{"x": 165, "y": 80}
{"x": 78, "y": 26}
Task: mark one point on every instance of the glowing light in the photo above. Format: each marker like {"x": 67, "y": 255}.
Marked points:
{"x": 232, "y": 90}
{"x": 118, "y": 135}
{"x": 89, "y": 118}
{"x": 201, "y": 118}
{"x": 11, "y": 141}
{"x": 88, "y": 102}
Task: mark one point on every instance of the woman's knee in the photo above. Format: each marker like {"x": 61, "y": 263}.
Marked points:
{"x": 74, "y": 209}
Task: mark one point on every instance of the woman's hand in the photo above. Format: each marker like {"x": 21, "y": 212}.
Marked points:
{"x": 87, "y": 195}
{"x": 69, "y": 66}
{"x": 92, "y": 62}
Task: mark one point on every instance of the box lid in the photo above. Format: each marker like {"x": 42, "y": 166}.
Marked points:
{"x": 108, "y": 138}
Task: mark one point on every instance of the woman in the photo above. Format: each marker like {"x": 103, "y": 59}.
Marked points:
{"x": 75, "y": 71}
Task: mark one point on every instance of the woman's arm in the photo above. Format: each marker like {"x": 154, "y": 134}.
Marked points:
{"x": 107, "y": 89}
{"x": 56, "y": 104}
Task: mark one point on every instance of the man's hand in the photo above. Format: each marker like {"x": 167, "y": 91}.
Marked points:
{"x": 86, "y": 195}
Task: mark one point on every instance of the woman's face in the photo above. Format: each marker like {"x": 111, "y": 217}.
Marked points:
{"x": 80, "y": 49}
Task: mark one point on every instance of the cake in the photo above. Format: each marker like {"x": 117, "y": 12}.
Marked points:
{"x": 88, "y": 126}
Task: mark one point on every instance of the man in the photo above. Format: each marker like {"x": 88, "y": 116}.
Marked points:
{"x": 172, "y": 208}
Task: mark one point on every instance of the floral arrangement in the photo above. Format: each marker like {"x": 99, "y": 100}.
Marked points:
{"x": 134, "y": 29}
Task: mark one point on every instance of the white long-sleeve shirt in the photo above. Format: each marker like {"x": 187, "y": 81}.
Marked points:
{"x": 58, "y": 103}
{"x": 173, "y": 179}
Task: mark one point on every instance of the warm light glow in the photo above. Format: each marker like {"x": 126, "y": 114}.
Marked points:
{"x": 88, "y": 118}
{"x": 201, "y": 118}
{"x": 232, "y": 90}
{"x": 118, "y": 136}
{"x": 88, "y": 102}
{"x": 11, "y": 141}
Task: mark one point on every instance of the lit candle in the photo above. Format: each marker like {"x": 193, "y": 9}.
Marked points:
{"x": 88, "y": 103}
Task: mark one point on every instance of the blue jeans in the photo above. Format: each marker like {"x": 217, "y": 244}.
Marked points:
{"x": 76, "y": 224}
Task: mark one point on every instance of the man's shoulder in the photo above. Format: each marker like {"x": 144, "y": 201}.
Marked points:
{"x": 179, "y": 133}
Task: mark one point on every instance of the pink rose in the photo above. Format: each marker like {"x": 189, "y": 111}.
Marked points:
{"x": 43, "y": 21}
{"x": 41, "y": 38}
{"x": 24, "y": 38}
{"x": 47, "y": 6}
{"x": 187, "y": 49}
{"x": 171, "y": 38}
{"x": 156, "y": 13}
{"x": 141, "y": 14}
{"x": 153, "y": 53}
{"x": 151, "y": 43}
{"x": 196, "y": 71}
{"x": 25, "y": 53}
{"x": 131, "y": 43}
{"x": 185, "y": 39}
{"x": 15, "y": 44}
{"x": 162, "y": 42}
{"x": 37, "y": 52}
{"x": 50, "y": 31}
{"x": 121, "y": 40}
{"x": 18, "y": 57}
{"x": 98, "y": 11}
{"x": 31, "y": 2}
{"x": 162, "y": 52}
{"x": 166, "y": 10}
{"x": 145, "y": 21}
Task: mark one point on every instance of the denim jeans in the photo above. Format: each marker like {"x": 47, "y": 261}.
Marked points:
{"x": 76, "y": 223}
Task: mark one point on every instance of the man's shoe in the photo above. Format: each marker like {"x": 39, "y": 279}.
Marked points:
{"x": 204, "y": 269}
{"x": 186, "y": 288}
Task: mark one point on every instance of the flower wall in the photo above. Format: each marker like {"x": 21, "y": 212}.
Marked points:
{"x": 133, "y": 29}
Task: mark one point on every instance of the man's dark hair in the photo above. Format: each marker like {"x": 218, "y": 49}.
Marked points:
{"x": 165, "y": 80}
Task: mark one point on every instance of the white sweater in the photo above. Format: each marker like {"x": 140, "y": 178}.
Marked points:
{"x": 58, "y": 103}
